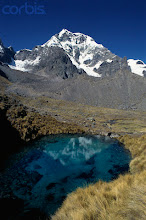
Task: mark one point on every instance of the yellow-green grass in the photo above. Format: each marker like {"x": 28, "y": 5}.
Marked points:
{"x": 122, "y": 199}
{"x": 124, "y": 121}
{"x": 31, "y": 125}
{"x": 137, "y": 146}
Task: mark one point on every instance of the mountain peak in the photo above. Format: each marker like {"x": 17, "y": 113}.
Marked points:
{"x": 64, "y": 31}
{"x": 81, "y": 49}
{"x": 84, "y": 53}
{"x": 6, "y": 54}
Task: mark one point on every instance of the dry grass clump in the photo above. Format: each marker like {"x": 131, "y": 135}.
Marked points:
{"x": 137, "y": 147}
{"x": 31, "y": 124}
{"x": 105, "y": 120}
{"x": 122, "y": 199}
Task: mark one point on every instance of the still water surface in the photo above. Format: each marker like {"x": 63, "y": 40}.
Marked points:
{"x": 45, "y": 171}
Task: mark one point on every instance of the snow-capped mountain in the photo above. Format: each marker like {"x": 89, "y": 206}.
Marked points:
{"x": 83, "y": 51}
{"x": 66, "y": 54}
{"x": 6, "y": 54}
{"x": 111, "y": 83}
{"x": 85, "y": 54}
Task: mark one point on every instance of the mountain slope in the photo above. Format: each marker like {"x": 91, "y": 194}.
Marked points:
{"x": 83, "y": 51}
{"x": 52, "y": 60}
{"x": 48, "y": 70}
{"x": 122, "y": 90}
{"x": 88, "y": 56}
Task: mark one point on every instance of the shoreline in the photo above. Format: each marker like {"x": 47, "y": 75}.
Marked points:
{"x": 25, "y": 123}
{"x": 29, "y": 124}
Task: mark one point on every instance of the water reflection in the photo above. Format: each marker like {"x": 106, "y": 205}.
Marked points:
{"x": 50, "y": 168}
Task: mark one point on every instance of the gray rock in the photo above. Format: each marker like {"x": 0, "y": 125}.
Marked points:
{"x": 6, "y": 54}
{"x": 53, "y": 61}
{"x": 123, "y": 90}
{"x": 144, "y": 73}
{"x": 109, "y": 69}
{"x": 139, "y": 62}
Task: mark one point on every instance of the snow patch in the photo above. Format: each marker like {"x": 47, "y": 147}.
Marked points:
{"x": 63, "y": 32}
{"x": 89, "y": 70}
{"x": 109, "y": 61}
{"x": 1, "y": 49}
{"x": 23, "y": 65}
{"x": 98, "y": 64}
{"x": 137, "y": 68}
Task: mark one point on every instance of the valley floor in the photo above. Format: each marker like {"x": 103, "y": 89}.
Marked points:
{"x": 124, "y": 198}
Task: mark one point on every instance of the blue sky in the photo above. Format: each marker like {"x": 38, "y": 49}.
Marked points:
{"x": 119, "y": 25}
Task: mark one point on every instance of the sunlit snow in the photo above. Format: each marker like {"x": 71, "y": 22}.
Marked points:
{"x": 82, "y": 50}
{"x": 23, "y": 65}
{"x": 1, "y": 49}
{"x": 77, "y": 41}
{"x": 136, "y": 67}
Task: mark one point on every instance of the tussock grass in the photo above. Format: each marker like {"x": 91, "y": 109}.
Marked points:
{"x": 31, "y": 125}
{"x": 137, "y": 146}
{"x": 71, "y": 112}
{"x": 122, "y": 199}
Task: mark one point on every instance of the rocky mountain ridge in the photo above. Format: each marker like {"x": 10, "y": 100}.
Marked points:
{"x": 55, "y": 71}
{"x": 6, "y": 54}
{"x": 82, "y": 51}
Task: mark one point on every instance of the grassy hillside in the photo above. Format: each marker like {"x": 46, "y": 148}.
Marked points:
{"x": 95, "y": 120}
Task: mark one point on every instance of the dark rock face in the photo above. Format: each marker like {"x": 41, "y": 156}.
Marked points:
{"x": 144, "y": 73}
{"x": 3, "y": 74}
{"x": 6, "y": 54}
{"x": 23, "y": 54}
{"x": 109, "y": 69}
{"x": 52, "y": 60}
{"x": 139, "y": 62}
